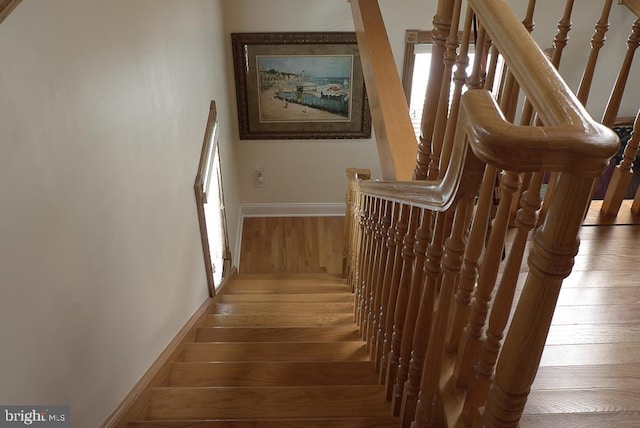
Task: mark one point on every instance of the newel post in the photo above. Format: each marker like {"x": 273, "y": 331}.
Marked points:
{"x": 550, "y": 262}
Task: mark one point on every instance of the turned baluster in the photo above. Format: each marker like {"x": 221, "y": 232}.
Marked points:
{"x": 369, "y": 266}
{"x": 423, "y": 235}
{"x": 441, "y": 25}
{"x": 623, "y": 173}
{"x": 469, "y": 272}
{"x": 597, "y": 41}
{"x": 385, "y": 225}
{"x": 451, "y": 264}
{"x": 550, "y": 260}
{"x": 357, "y": 242}
{"x": 424, "y": 321}
{"x": 374, "y": 271}
{"x": 470, "y": 341}
{"x": 365, "y": 247}
{"x": 613, "y": 104}
{"x": 459, "y": 80}
{"x": 559, "y": 43}
{"x": 349, "y": 226}
{"x": 477, "y": 78}
{"x": 525, "y": 221}
{"x": 400, "y": 231}
{"x": 386, "y": 284}
{"x": 440, "y": 125}
{"x": 351, "y": 222}
{"x": 402, "y": 299}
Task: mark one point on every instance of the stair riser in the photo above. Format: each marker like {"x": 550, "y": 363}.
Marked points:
{"x": 273, "y": 374}
{"x": 246, "y": 351}
{"x": 267, "y": 402}
{"x": 277, "y": 334}
{"x": 345, "y": 297}
{"x": 279, "y": 320}
{"x": 280, "y": 308}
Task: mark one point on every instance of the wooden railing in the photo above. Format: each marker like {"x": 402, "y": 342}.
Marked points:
{"x": 434, "y": 298}
{"x": 201, "y": 190}
{"x": 6, "y": 7}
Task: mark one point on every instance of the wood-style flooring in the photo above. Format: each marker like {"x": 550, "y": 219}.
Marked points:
{"x": 292, "y": 245}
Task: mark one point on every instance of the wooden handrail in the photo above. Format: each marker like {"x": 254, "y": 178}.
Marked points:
{"x": 394, "y": 133}
{"x": 460, "y": 202}
{"x": 570, "y": 129}
{"x": 200, "y": 189}
{"x": 633, "y": 5}
{"x": 6, "y": 7}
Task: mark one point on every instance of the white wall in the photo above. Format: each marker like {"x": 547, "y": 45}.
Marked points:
{"x": 310, "y": 171}
{"x": 102, "y": 116}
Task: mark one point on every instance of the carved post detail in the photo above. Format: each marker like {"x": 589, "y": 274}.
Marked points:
{"x": 400, "y": 231}
{"x": 623, "y": 173}
{"x": 550, "y": 261}
{"x": 470, "y": 343}
{"x": 387, "y": 282}
{"x": 402, "y": 299}
{"x": 597, "y": 42}
{"x": 525, "y": 221}
{"x": 441, "y": 25}
{"x": 452, "y": 262}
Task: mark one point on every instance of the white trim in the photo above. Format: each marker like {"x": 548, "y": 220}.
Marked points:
{"x": 283, "y": 210}
{"x": 293, "y": 210}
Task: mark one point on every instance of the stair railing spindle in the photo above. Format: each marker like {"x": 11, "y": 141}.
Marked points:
{"x": 623, "y": 173}
{"x": 402, "y": 299}
{"x": 452, "y": 262}
{"x": 402, "y": 226}
{"x": 386, "y": 284}
{"x": 503, "y": 302}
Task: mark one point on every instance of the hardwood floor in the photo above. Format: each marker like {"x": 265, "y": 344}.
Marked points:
{"x": 589, "y": 374}
{"x": 292, "y": 245}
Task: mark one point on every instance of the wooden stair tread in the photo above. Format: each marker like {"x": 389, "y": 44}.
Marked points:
{"x": 276, "y": 351}
{"x": 279, "y": 320}
{"x": 344, "y": 297}
{"x": 277, "y": 287}
{"x": 273, "y": 373}
{"x": 307, "y": 277}
{"x": 361, "y": 422}
{"x": 267, "y": 402}
{"x": 279, "y": 308}
{"x": 277, "y": 334}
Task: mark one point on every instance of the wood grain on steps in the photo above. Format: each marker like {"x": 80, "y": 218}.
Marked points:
{"x": 268, "y": 402}
{"x": 278, "y": 320}
{"x": 277, "y": 334}
{"x": 273, "y": 373}
{"x": 344, "y": 297}
{"x": 276, "y": 351}
{"x": 283, "y": 308}
{"x": 361, "y": 422}
{"x": 275, "y": 287}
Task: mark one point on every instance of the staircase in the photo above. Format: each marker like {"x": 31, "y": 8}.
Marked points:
{"x": 275, "y": 351}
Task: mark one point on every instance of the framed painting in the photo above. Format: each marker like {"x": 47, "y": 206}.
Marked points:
{"x": 299, "y": 86}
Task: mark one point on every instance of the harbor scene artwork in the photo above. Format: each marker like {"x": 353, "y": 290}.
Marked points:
{"x": 305, "y": 88}
{"x": 300, "y": 86}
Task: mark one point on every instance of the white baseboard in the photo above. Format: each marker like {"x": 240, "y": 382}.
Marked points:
{"x": 284, "y": 210}
{"x": 292, "y": 210}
